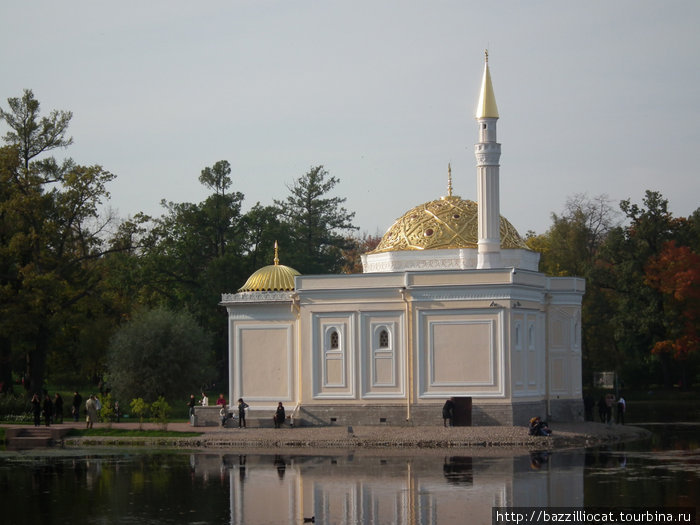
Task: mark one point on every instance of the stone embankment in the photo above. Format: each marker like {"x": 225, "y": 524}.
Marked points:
{"x": 565, "y": 435}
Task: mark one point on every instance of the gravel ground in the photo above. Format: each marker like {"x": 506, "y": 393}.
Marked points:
{"x": 565, "y": 435}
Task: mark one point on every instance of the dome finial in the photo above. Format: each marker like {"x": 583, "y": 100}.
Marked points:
{"x": 277, "y": 259}
{"x": 486, "y": 55}
{"x": 449, "y": 179}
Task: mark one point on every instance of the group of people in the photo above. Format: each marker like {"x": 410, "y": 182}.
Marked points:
{"x": 52, "y": 410}
{"x": 225, "y": 414}
{"x": 537, "y": 427}
{"x": 606, "y": 405}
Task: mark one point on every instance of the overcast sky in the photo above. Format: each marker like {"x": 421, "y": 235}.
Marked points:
{"x": 594, "y": 97}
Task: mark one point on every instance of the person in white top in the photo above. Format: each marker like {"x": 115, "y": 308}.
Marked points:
{"x": 621, "y": 407}
{"x": 205, "y": 400}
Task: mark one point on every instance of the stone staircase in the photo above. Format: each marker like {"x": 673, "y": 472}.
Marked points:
{"x": 33, "y": 437}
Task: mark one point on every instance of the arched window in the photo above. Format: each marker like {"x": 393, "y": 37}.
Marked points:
{"x": 383, "y": 339}
{"x": 334, "y": 340}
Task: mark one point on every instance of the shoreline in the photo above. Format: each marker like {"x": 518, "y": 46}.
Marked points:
{"x": 424, "y": 438}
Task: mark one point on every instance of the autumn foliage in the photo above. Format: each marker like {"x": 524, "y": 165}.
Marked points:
{"x": 675, "y": 272}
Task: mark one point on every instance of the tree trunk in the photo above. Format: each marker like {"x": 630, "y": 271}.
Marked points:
{"x": 36, "y": 359}
{"x": 5, "y": 365}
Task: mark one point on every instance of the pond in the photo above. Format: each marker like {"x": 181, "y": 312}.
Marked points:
{"x": 343, "y": 487}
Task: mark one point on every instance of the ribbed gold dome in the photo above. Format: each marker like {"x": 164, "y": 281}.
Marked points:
{"x": 275, "y": 277}
{"x": 446, "y": 223}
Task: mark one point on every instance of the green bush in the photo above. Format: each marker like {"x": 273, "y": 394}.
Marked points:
{"x": 15, "y": 408}
{"x": 107, "y": 412}
{"x": 159, "y": 353}
{"x": 160, "y": 409}
{"x": 139, "y": 408}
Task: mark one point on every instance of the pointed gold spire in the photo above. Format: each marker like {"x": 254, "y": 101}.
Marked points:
{"x": 449, "y": 179}
{"x": 277, "y": 259}
{"x": 487, "y": 101}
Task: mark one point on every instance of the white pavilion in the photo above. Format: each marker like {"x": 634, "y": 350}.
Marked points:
{"x": 450, "y": 304}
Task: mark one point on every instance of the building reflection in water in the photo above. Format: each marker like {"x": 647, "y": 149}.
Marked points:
{"x": 375, "y": 488}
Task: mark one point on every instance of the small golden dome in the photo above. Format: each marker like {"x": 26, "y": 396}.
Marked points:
{"x": 442, "y": 224}
{"x": 275, "y": 277}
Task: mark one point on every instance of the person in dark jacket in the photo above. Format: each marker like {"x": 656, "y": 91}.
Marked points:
{"x": 47, "y": 409}
{"x": 448, "y": 413}
{"x": 279, "y": 416}
{"x": 57, "y": 408}
{"x": 36, "y": 409}
{"x": 242, "y": 405}
{"x": 77, "y": 403}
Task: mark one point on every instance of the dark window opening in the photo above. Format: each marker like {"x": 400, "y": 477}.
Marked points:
{"x": 383, "y": 339}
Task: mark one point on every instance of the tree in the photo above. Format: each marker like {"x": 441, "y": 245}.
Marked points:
{"x": 159, "y": 353}
{"x": 571, "y": 244}
{"x": 571, "y": 247}
{"x": 52, "y": 243}
{"x": 53, "y": 235}
{"x": 31, "y": 134}
{"x": 316, "y": 223}
{"x": 222, "y": 209}
{"x": 637, "y": 314}
{"x": 675, "y": 272}
{"x": 262, "y": 228}
{"x": 356, "y": 247}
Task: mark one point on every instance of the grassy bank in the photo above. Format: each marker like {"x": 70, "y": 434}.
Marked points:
{"x": 122, "y": 432}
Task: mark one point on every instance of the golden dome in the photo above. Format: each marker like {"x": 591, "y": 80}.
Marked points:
{"x": 446, "y": 223}
{"x": 275, "y": 277}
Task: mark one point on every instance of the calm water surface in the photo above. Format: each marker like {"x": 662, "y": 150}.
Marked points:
{"x": 434, "y": 487}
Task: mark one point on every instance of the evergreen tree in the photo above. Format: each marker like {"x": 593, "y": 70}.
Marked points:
{"x": 316, "y": 223}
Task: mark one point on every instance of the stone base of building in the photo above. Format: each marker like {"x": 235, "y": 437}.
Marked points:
{"x": 518, "y": 414}
{"x": 569, "y": 410}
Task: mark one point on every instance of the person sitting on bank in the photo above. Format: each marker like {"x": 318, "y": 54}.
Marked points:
{"x": 448, "y": 412}
{"x": 539, "y": 427}
{"x": 224, "y": 414}
{"x": 279, "y": 416}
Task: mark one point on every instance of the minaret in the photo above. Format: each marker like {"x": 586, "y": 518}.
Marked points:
{"x": 488, "y": 153}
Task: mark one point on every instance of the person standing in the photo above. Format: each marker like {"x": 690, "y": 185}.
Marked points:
{"x": 279, "y": 416}
{"x": 448, "y": 413}
{"x": 36, "y": 409}
{"x": 58, "y": 408}
{"x": 601, "y": 409}
{"x": 91, "y": 409}
{"x": 47, "y": 409}
{"x": 620, "y": 414}
{"x": 609, "y": 402}
{"x": 205, "y": 400}
{"x": 242, "y": 405}
{"x": 191, "y": 403}
{"x": 77, "y": 403}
